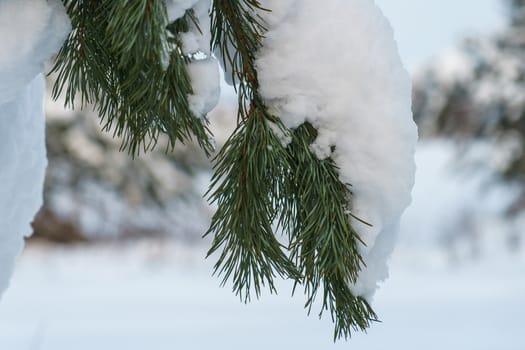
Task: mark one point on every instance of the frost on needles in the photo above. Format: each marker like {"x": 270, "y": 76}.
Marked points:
{"x": 312, "y": 183}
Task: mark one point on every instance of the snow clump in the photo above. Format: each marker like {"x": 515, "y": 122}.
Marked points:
{"x": 204, "y": 70}
{"x": 339, "y": 69}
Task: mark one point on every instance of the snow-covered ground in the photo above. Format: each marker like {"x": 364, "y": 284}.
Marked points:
{"x": 160, "y": 295}
{"x": 146, "y": 296}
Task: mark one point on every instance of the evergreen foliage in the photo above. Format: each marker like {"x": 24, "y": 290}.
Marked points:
{"x": 262, "y": 183}
{"x": 323, "y": 241}
{"x": 123, "y": 57}
{"x": 127, "y": 59}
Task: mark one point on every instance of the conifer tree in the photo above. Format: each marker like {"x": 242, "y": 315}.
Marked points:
{"x": 473, "y": 106}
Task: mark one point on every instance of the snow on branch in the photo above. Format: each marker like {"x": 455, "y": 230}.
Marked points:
{"x": 337, "y": 67}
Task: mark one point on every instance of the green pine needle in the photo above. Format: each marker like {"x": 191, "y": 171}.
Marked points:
{"x": 120, "y": 58}
{"x": 323, "y": 242}
{"x": 127, "y": 60}
{"x": 262, "y": 186}
{"x": 247, "y": 188}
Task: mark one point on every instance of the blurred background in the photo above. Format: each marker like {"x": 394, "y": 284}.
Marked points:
{"x": 117, "y": 259}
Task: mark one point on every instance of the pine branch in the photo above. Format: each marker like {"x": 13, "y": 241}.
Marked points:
{"x": 127, "y": 60}
{"x": 120, "y": 58}
{"x": 248, "y": 172}
{"x": 260, "y": 183}
{"x": 247, "y": 191}
{"x": 323, "y": 241}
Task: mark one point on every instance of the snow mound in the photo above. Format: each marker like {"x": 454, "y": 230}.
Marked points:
{"x": 22, "y": 176}
{"x": 30, "y": 32}
{"x": 339, "y": 69}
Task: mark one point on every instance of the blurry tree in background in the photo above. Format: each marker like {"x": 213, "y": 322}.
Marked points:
{"x": 517, "y": 11}
{"x": 93, "y": 191}
{"x": 477, "y": 93}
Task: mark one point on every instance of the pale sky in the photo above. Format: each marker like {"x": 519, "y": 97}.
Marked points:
{"x": 423, "y": 28}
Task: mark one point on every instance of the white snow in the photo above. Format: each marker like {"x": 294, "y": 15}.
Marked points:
{"x": 177, "y": 8}
{"x": 30, "y": 31}
{"x": 23, "y": 160}
{"x": 340, "y": 70}
{"x": 197, "y": 39}
{"x": 204, "y": 70}
{"x": 204, "y": 76}
{"x": 161, "y": 296}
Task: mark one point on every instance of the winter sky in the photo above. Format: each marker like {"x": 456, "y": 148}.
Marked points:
{"x": 426, "y": 27}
